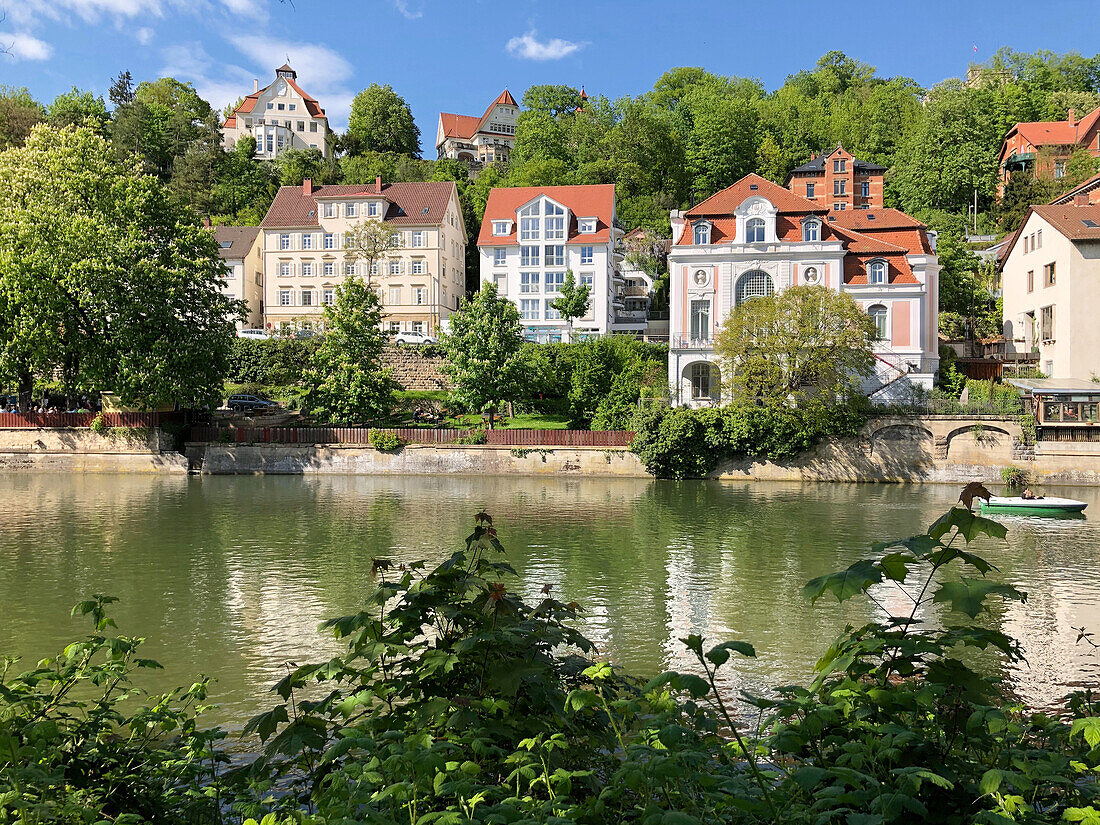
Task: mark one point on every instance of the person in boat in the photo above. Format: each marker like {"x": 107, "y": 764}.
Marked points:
{"x": 1028, "y": 495}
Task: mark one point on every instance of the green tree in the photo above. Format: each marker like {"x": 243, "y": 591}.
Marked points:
{"x": 806, "y": 342}
{"x": 19, "y": 112}
{"x": 74, "y": 108}
{"x": 572, "y": 301}
{"x": 347, "y": 383}
{"x": 552, "y": 100}
{"x": 244, "y": 187}
{"x": 369, "y": 241}
{"x": 482, "y": 352}
{"x": 105, "y": 279}
{"x": 295, "y": 165}
{"x": 381, "y": 121}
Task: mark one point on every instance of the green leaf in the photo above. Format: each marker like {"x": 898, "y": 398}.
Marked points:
{"x": 969, "y": 525}
{"x": 719, "y": 654}
{"x": 968, "y": 595}
{"x": 845, "y": 584}
{"x": 266, "y": 723}
{"x": 1086, "y": 816}
{"x": 1089, "y": 727}
{"x": 990, "y": 781}
{"x": 895, "y": 566}
{"x": 808, "y": 777}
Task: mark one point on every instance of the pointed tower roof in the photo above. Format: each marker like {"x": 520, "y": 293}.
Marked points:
{"x": 286, "y": 71}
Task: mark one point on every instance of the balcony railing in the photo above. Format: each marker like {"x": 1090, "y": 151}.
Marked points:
{"x": 634, "y": 292}
{"x": 691, "y": 343}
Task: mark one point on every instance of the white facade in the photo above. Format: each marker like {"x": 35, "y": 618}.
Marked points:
{"x": 279, "y": 116}
{"x": 487, "y": 139}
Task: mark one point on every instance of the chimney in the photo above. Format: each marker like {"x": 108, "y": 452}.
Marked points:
{"x": 206, "y": 222}
{"x": 1072, "y": 117}
{"x": 1081, "y": 199}
{"x": 307, "y": 187}
{"x": 255, "y": 85}
{"x": 378, "y": 183}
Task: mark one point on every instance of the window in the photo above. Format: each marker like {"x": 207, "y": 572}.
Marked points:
{"x": 419, "y": 239}
{"x": 811, "y": 231}
{"x": 555, "y": 256}
{"x": 281, "y": 107}
{"x": 271, "y": 105}
{"x": 839, "y": 206}
{"x": 840, "y": 165}
{"x": 554, "y": 224}
{"x": 586, "y": 226}
{"x": 284, "y": 242}
{"x": 529, "y": 223}
{"x": 700, "y": 380}
{"x": 372, "y": 209}
{"x": 587, "y": 279}
{"x": 307, "y": 240}
{"x": 1025, "y": 244}
{"x": 551, "y": 313}
{"x": 329, "y": 241}
{"x": 351, "y": 210}
{"x": 307, "y": 297}
{"x": 395, "y": 267}
{"x": 395, "y": 327}
{"x": 417, "y": 268}
{"x": 500, "y": 228}
{"x": 307, "y": 270}
{"x": 755, "y": 284}
{"x": 1039, "y": 238}
{"x": 374, "y": 268}
{"x": 270, "y": 142}
{"x": 809, "y": 190}
{"x": 754, "y": 230}
{"x": 500, "y": 257}
{"x": 313, "y": 126}
{"x": 349, "y": 268}
{"x": 1048, "y": 274}
{"x": 1059, "y": 169}
{"x": 586, "y": 254}
{"x": 329, "y": 210}
{"x": 328, "y": 269}
{"x": 395, "y": 296}
{"x": 1046, "y": 323}
{"x": 286, "y": 269}
{"x": 420, "y": 295}
{"x": 702, "y": 233}
{"x": 301, "y": 124}
{"x": 417, "y": 326}
{"x": 878, "y": 315}
{"x": 528, "y": 256}
{"x": 328, "y": 295}
{"x": 396, "y": 240}
{"x": 529, "y": 310}
{"x": 528, "y": 282}
{"x": 554, "y": 280}
{"x": 700, "y": 320}
{"x": 284, "y": 297}
{"x": 865, "y": 190}
{"x": 840, "y": 187}
{"x": 1031, "y": 280}
{"x": 876, "y": 272}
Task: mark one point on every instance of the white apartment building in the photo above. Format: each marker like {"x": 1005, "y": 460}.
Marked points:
{"x": 420, "y": 280}
{"x": 242, "y": 252}
{"x": 532, "y": 235}
{"x": 280, "y": 116}
{"x": 1050, "y": 286}
{"x": 757, "y": 238}
{"x": 484, "y": 139}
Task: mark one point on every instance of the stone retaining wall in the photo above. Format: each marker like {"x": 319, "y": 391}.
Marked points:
{"x": 413, "y": 370}
{"x": 79, "y": 450}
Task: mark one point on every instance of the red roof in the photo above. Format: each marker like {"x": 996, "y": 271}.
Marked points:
{"x": 726, "y": 201}
{"x": 1054, "y": 132}
{"x": 249, "y": 103}
{"x": 593, "y": 201}
{"x": 410, "y": 204}
{"x": 466, "y": 126}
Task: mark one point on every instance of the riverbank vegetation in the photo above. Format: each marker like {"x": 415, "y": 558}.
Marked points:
{"x": 456, "y": 700}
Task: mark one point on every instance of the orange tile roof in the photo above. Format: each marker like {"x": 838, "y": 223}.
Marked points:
{"x": 726, "y": 201}
{"x": 1047, "y": 132}
{"x": 466, "y": 126}
{"x": 592, "y": 201}
{"x": 1084, "y": 189}
{"x": 249, "y": 103}
{"x": 407, "y": 203}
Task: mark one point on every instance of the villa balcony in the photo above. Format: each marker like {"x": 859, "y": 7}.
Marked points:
{"x": 634, "y": 291}
{"x": 691, "y": 343}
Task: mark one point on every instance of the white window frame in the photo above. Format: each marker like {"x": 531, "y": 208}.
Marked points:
{"x": 351, "y": 209}
{"x": 500, "y": 256}
{"x": 328, "y": 296}
{"x": 529, "y": 309}
{"x": 501, "y": 228}
{"x": 284, "y": 241}
{"x": 329, "y": 241}
{"x": 417, "y": 268}
{"x": 420, "y": 296}
{"x": 530, "y": 282}
{"x": 587, "y": 255}
{"x": 882, "y": 332}
{"x": 286, "y": 297}
{"x": 530, "y": 256}
{"x": 419, "y": 239}
{"x": 396, "y": 268}
{"x": 753, "y": 224}
{"x": 286, "y": 269}
{"x": 700, "y": 233}
{"x": 553, "y": 255}
{"x": 328, "y": 269}
{"x": 878, "y": 272}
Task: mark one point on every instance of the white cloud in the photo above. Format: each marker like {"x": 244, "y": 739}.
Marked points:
{"x": 529, "y": 47}
{"x": 403, "y": 7}
{"x": 144, "y": 35}
{"x": 90, "y": 11}
{"x": 24, "y": 47}
{"x": 256, "y": 9}
{"x": 216, "y": 82}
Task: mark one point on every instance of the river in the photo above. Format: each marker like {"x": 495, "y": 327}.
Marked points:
{"x": 230, "y": 576}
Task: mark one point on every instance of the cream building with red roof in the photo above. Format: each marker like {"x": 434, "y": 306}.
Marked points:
{"x": 532, "y": 235}
{"x": 484, "y": 139}
{"x": 280, "y": 116}
{"x": 757, "y": 238}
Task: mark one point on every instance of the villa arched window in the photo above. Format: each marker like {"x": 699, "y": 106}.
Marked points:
{"x": 755, "y": 284}
{"x": 754, "y": 230}
{"x": 878, "y": 315}
{"x": 702, "y": 233}
{"x": 811, "y": 231}
{"x": 876, "y": 272}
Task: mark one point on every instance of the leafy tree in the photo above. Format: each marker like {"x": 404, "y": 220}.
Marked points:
{"x": 244, "y": 187}
{"x": 369, "y": 241}
{"x": 295, "y": 165}
{"x": 74, "y": 108}
{"x": 104, "y": 279}
{"x": 381, "y": 121}
{"x": 347, "y": 383}
{"x": 572, "y": 301}
{"x": 552, "y": 100}
{"x": 482, "y": 352}
{"x": 805, "y": 342}
{"x": 19, "y": 112}
{"x": 122, "y": 89}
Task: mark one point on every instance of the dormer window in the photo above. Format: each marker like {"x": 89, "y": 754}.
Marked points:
{"x": 586, "y": 226}
{"x": 701, "y": 233}
{"x": 811, "y": 229}
{"x": 876, "y": 272}
{"x": 502, "y": 228}
{"x": 754, "y": 230}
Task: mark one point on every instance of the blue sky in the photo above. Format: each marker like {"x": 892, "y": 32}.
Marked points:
{"x": 443, "y": 55}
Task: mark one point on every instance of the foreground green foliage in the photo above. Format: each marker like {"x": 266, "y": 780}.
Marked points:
{"x": 456, "y": 701}
{"x": 682, "y": 442}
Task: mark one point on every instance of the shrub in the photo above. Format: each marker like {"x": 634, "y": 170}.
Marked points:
{"x": 476, "y": 437}
{"x": 1016, "y": 477}
{"x": 276, "y": 361}
{"x": 99, "y": 424}
{"x": 385, "y": 441}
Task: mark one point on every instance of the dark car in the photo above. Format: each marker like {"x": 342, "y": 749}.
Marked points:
{"x": 250, "y": 403}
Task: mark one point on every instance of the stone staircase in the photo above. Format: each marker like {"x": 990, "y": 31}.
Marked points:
{"x": 413, "y": 370}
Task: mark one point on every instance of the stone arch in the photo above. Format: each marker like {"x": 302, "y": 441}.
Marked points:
{"x": 978, "y": 441}
{"x": 755, "y": 283}
{"x": 701, "y": 380}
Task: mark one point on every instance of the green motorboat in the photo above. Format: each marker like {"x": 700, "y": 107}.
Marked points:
{"x": 1038, "y": 506}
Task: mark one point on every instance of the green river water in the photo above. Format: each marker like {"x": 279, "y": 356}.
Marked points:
{"x": 230, "y": 576}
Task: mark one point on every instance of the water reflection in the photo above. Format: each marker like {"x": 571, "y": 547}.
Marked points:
{"x": 231, "y": 576}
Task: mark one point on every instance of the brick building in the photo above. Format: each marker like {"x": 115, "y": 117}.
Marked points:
{"x": 1041, "y": 148}
{"x": 839, "y": 181}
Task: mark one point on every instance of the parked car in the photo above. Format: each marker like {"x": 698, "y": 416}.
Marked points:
{"x": 306, "y": 333}
{"x": 255, "y": 334}
{"x": 413, "y": 338}
{"x": 250, "y": 403}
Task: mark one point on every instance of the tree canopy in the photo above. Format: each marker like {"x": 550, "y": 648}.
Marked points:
{"x": 381, "y": 121}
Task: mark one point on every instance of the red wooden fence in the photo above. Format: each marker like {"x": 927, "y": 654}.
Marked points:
{"x": 413, "y": 435}
{"x": 62, "y": 419}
